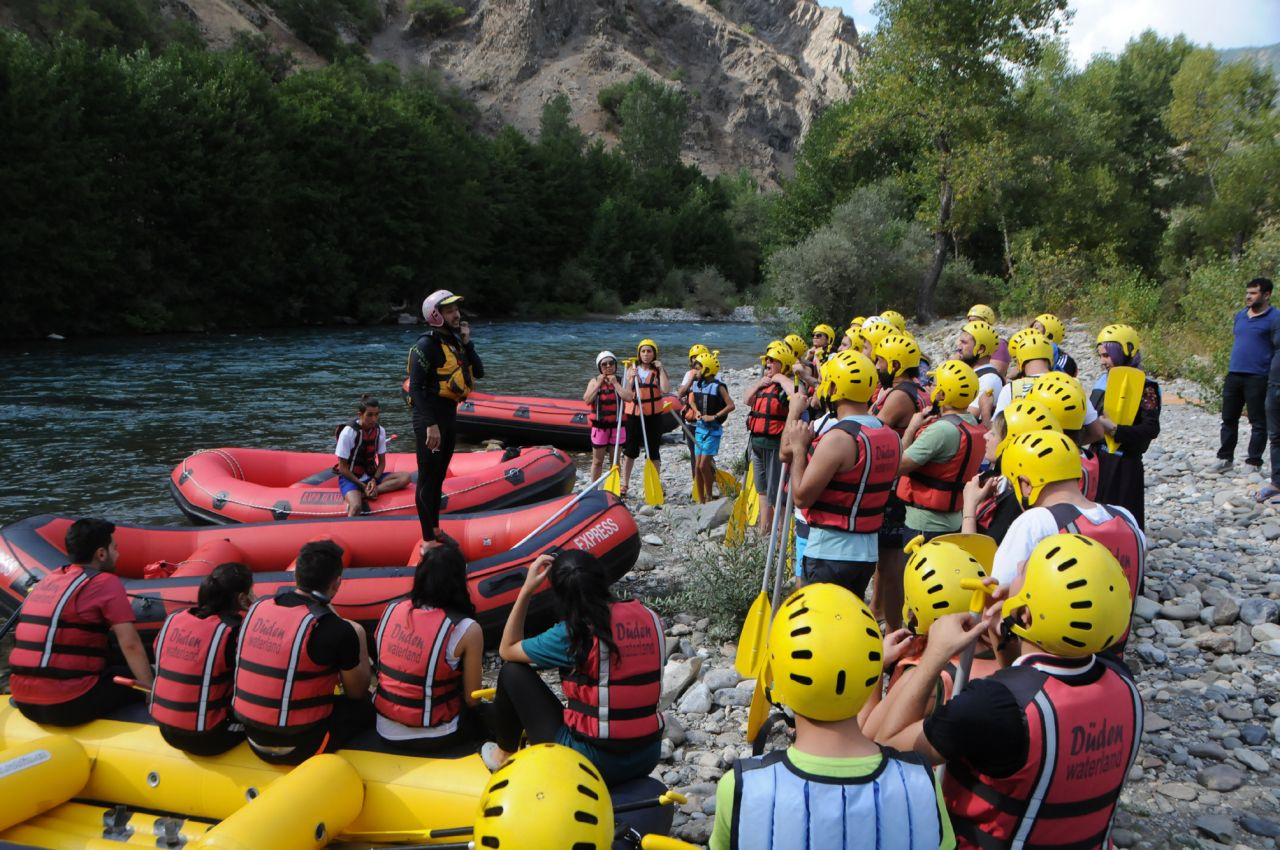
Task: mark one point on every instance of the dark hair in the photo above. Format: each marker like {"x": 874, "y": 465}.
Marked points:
{"x": 581, "y": 590}
{"x": 1263, "y": 283}
{"x": 1115, "y": 351}
{"x": 367, "y": 401}
{"x": 440, "y": 581}
{"x": 220, "y": 591}
{"x": 86, "y": 536}
{"x": 319, "y": 563}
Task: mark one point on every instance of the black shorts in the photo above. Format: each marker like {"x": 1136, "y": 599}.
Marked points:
{"x": 893, "y": 532}
{"x": 652, "y": 430}
{"x": 852, "y": 575}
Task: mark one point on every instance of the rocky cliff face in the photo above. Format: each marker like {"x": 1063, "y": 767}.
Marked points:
{"x": 757, "y": 72}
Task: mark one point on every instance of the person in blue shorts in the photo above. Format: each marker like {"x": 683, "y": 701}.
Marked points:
{"x": 711, "y": 403}
{"x": 610, "y": 654}
{"x": 362, "y": 458}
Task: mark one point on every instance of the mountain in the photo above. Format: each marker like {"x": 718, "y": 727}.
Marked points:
{"x": 1267, "y": 57}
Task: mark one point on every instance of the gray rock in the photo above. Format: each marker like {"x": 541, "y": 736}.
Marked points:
{"x": 674, "y": 730}
{"x": 1146, "y": 608}
{"x": 719, "y": 678}
{"x": 696, "y": 700}
{"x": 1124, "y": 837}
{"x": 1155, "y": 723}
{"x": 1220, "y": 777}
{"x": 1270, "y": 647}
{"x": 1255, "y": 611}
{"x": 732, "y": 696}
{"x": 1208, "y": 750}
{"x": 1218, "y": 827}
{"x": 1235, "y": 713}
{"x": 1182, "y": 611}
{"x": 1152, "y": 654}
{"x": 1178, "y": 791}
{"x": 1166, "y": 629}
{"x": 1270, "y": 531}
{"x": 676, "y": 676}
{"x": 1243, "y": 640}
{"x": 1259, "y": 826}
{"x": 1264, "y": 632}
{"x": 1253, "y": 734}
{"x": 714, "y": 514}
{"x": 1251, "y": 760}
{"x": 652, "y": 539}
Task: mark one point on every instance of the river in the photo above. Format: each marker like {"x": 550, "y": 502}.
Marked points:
{"x": 93, "y": 427}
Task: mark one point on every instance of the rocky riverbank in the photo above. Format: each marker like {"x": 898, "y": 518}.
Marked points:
{"x": 1205, "y": 652}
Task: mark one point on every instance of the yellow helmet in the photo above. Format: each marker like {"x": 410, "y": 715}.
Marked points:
{"x": 931, "y": 583}
{"x": 823, "y": 328}
{"x": 642, "y": 343}
{"x": 1041, "y": 457}
{"x": 1064, "y": 396}
{"x": 856, "y": 338}
{"x": 848, "y": 376}
{"x": 985, "y": 338}
{"x": 780, "y": 351}
{"x": 806, "y": 674}
{"x": 876, "y": 329}
{"x": 983, "y": 312}
{"x": 710, "y": 363}
{"x": 899, "y": 352}
{"x": 1125, "y": 335}
{"x": 956, "y": 382}
{"x": 1023, "y": 416}
{"x": 546, "y": 795}
{"x": 1052, "y": 325}
{"x": 696, "y": 349}
{"x": 797, "y": 343}
{"x": 894, "y": 318}
{"x": 857, "y": 321}
{"x": 1076, "y": 594}
{"x": 1027, "y": 345}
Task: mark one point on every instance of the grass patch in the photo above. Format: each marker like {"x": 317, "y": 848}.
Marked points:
{"x": 721, "y": 583}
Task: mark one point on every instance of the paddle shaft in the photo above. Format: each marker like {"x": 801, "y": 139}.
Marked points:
{"x": 644, "y": 435}
{"x": 774, "y": 529}
{"x": 532, "y": 534}
{"x": 777, "y": 573}
{"x": 11, "y": 622}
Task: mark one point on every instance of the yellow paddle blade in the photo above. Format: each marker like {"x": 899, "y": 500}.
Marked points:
{"x": 613, "y": 481}
{"x": 1124, "y": 394}
{"x": 754, "y": 639}
{"x": 759, "y": 711}
{"x": 697, "y": 491}
{"x": 652, "y": 485}
{"x": 735, "y": 531}
{"x": 753, "y": 506}
{"x": 728, "y": 485}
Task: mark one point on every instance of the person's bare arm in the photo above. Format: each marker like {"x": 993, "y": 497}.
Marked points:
{"x": 135, "y": 654}
{"x": 809, "y": 477}
{"x": 471, "y": 650}
{"x": 510, "y": 647}
{"x": 355, "y": 682}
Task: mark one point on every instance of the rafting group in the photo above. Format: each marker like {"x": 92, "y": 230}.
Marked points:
{"x": 992, "y": 507}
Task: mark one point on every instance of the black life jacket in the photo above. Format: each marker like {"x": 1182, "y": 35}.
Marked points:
{"x": 364, "y": 452}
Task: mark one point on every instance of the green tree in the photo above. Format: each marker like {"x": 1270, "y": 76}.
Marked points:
{"x": 654, "y": 117}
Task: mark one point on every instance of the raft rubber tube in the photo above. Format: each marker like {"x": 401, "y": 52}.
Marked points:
{"x": 228, "y": 485}
{"x": 162, "y": 566}
{"x": 530, "y": 420}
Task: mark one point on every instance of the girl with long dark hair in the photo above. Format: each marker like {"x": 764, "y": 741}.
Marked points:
{"x": 195, "y": 660}
{"x": 430, "y": 650}
{"x": 610, "y": 655}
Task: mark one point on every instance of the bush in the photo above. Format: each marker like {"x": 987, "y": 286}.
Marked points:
{"x": 720, "y": 584}
{"x": 709, "y": 293}
{"x": 435, "y": 16}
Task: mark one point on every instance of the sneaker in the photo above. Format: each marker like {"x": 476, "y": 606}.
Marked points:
{"x": 1222, "y": 465}
{"x": 489, "y": 755}
{"x": 1268, "y": 493}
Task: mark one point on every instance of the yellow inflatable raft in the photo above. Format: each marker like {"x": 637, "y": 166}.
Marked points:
{"x": 115, "y": 782}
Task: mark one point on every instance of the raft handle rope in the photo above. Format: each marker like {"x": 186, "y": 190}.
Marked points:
{"x": 337, "y": 512}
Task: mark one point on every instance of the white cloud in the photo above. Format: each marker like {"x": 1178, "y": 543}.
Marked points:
{"x": 1105, "y": 26}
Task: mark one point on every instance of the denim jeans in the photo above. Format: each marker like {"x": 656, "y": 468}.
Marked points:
{"x": 1273, "y": 430}
{"x": 1241, "y": 392}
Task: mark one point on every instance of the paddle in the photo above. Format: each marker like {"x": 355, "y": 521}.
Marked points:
{"x": 791, "y": 504}
{"x": 652, "y": 481}
{"x": 1123, "y": 397}
{"x": 131, "y": 683}
{"x": 754, "y": 638}
{"x": 976, "y": 605}
{"x": 759, "y": 711}
{"x": 613, "y": 480}
{"x": 560, "y": 511}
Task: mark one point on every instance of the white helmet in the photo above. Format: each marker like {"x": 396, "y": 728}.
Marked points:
{"x": 431, "y": 306}
{"x": 603, "y": 356}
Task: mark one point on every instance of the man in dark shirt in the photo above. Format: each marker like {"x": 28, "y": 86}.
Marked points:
{"x": 1245, "y": 387}
{"x": 443, "y": 366}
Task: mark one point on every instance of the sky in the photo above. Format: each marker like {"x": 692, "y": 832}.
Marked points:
{"x": 1104, "y": 26}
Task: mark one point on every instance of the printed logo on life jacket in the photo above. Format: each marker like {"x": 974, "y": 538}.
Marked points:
{"x": 1103, "y": 749}
{"x": 596, "y": 534}
{"x": 886, "y": 454}
{"x": 320, "y": 497}
{"x": 405, "y": 643}
{"x": 266, "y": 637}
{"x": 632, "y": 632}
{"x": 181, "y": 643}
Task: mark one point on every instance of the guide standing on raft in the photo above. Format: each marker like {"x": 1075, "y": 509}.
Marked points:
{"x": 443, "y": 366}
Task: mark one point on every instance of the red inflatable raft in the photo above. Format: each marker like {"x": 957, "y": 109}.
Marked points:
{"x": 256, "y": 485}
{"x": 162, "y": 567}
{"x": 529, "y": 421}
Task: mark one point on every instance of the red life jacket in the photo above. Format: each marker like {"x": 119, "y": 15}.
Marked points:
{"x": 416, "y": 685}
{"x": 277, "y": 684}
{"x": 768, "y": 414}
{"x": 52, "y": 640}
{"x": 1119, "y": 534}
{"x": 1089, "y": 478}
{"x": 854, "y": 501}
{"x": 1084, "y": 721}
{"x": 918, "y": 395}
{"x": 364, "y": 452}
{"x": 939, "y": 485}
{"x": 193, "y": 679}
{"x": 982, "y": 666}
{"x": 649, "y": 401}
{"x": 604, "y": 410}
{"x": 616, "y": 698}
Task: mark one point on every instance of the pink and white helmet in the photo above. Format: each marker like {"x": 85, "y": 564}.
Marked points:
{"x": 432, "y": 304}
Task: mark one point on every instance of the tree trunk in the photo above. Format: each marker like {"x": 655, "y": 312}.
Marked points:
{"x": 1008, "y": 254}
{"x": 924, "y": 304}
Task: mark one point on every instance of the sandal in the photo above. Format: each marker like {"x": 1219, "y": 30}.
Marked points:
{"x": 1268, "y": 493}
{"x": 489, "y": 755}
